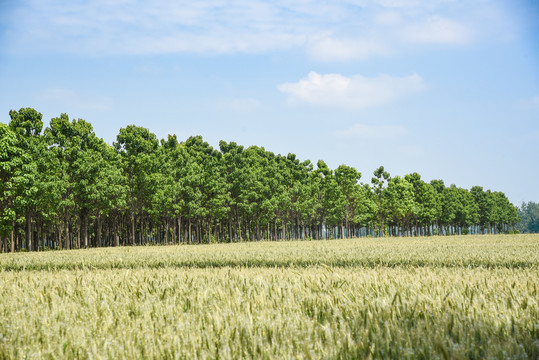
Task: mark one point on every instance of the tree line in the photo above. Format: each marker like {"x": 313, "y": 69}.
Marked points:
{"x": 63, "y": 187}
{"x": 529, "y": 215}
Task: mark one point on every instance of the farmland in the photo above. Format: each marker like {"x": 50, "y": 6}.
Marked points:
{"x": 438, "y": 297}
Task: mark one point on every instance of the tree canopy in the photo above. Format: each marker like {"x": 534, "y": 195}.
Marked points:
{"x": 529, "y": 214}
{"x": 63, "y": 187}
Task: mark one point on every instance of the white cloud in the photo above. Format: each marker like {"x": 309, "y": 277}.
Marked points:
{"x": 388, "y": 18}
{"x": 329, "y": 49}
{"x": 375, "y": 132}
{"x": 351, "y": 92}
{"x": 387, "y": 33}
{"x": 327, "y": 31}
{"x": 436, "y": 30}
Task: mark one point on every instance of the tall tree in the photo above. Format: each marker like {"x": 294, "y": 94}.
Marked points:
{"x": 427, "y": 201}
{"x": 68, "y": 188}
{"x": 347, "y": 179}
{"x": 379, "y": 183}
{"x": 10, "y": 166}
{"x": 137, "y": 147}
{"x": 399, "y": 204}
{"x": 366, "y": 214}
{"x": 80, "y": 157}
{"x": 27, "y": 124}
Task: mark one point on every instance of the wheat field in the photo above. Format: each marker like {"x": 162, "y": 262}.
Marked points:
{"x": 469, "y": 297}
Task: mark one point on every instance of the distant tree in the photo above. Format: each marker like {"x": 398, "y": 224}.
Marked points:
{"x": 504, "y": 214}
{"x": 365, "y": 214}
{"x": 529, "y": 215}
{"x": 399, "y": 204}
{"x": 379, "y": 183}
{"x": 347, "y": 178}
{"x": 427, "y": 202}
{"x": 439, "y": 187}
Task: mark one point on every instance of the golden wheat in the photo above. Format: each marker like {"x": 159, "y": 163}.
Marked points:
{"x": 469, "y": 297}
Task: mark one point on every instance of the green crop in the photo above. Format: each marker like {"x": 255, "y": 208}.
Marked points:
{"x": 443, "y": 297}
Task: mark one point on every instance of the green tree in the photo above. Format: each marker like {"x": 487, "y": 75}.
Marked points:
{"x": 398, "y": 202}
{"x": 484, "y": 205}
{"x": 10, "y": 165}
{"x": 503, "y": 214}
{"x": 427, "y": 202}
{"x": 366, "y": 210}
{"x": 347, "y": 179}
{"x": 137, "y": 147}
{"x": 27, "y": 125}
{"x": 529, "y": 214}
{"x": 80, "y": 156}
{"x": 106, "y": 192}
{"x": 379, "y": 183}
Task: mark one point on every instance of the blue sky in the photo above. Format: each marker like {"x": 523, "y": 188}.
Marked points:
{"x": 446, "y": 88}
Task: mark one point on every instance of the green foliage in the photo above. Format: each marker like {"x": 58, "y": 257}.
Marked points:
{"x": 529, "y": 214}
{"x": 66, "y": 188}
{"x": 10, "y": 164}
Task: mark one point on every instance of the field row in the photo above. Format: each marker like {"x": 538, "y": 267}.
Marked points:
{"x": 313, "y": 312}
{"x": 499, "y": 251}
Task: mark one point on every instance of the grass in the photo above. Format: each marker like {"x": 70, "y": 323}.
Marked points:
{"x": 437, "y": 298}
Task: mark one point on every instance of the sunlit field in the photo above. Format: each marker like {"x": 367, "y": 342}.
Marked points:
{"x": 440, "y": 297}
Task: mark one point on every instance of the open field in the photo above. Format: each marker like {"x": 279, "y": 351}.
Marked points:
{"x": 441, "y": 297}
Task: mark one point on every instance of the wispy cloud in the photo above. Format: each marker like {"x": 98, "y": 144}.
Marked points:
{"x": 240, "y": 105}
{"x": 374, "y": 132}
{"x": 74, "y": 100}
{"x": 529, "y": 103}
{"x": 327, "y": 31}
{"x": 328, "y": 48}
{"x": 352, "y": 92}
{"x": 436, "y": 30}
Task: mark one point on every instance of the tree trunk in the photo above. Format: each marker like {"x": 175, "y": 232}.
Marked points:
{"x": 179, "y": 229}
{"x": 174, "y": 232}
{"x": 13, "y": 236}
{"x": 28, "y": 232}
{"x": 230, "y": 229}
{"x": 85, "y": 231}
{"x": 239, "y": 230}
{"x": 190, "y": 231}
{"x": 99, "y": 230}
{"x": 40, "y": 241}
{"x": 199, "y": 231}
{"x": 209, "y": 232}
{"x": 67, "y": 234}
{"x": 132, "y": 228}
{"x": 167, "y": 239}
{"x": 116, "y": 232}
